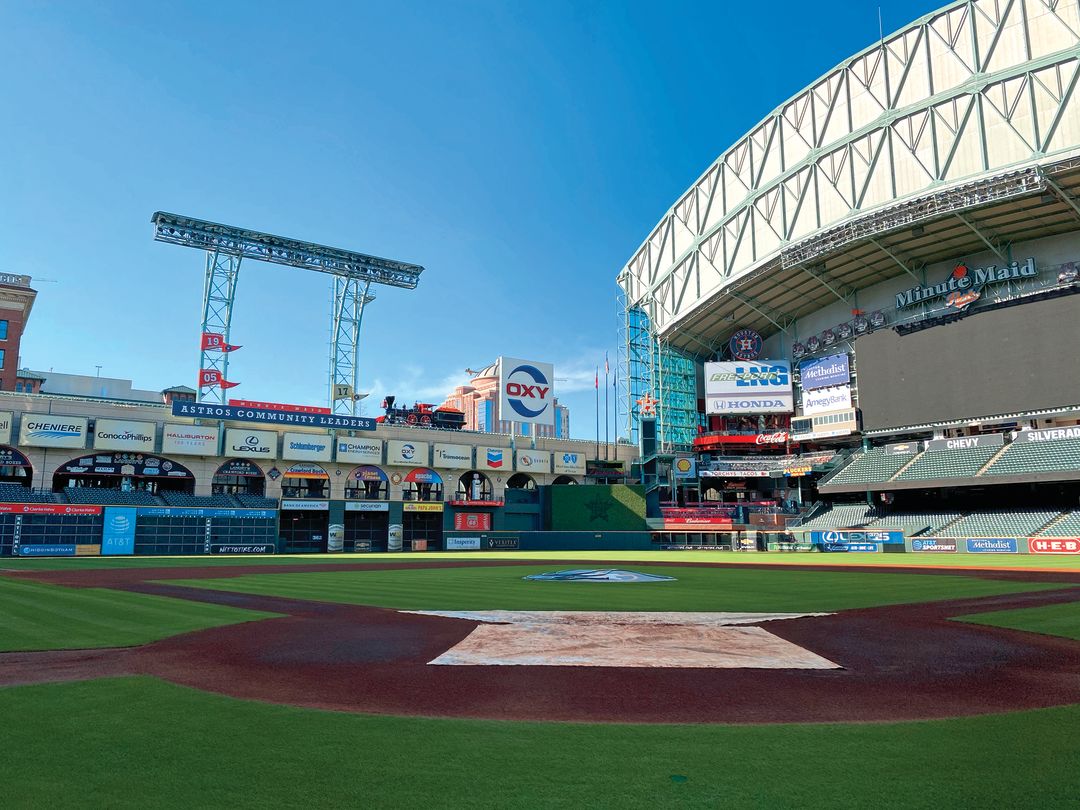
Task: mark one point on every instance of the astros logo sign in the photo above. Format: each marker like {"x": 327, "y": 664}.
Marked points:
{"x": 527, "y": 390}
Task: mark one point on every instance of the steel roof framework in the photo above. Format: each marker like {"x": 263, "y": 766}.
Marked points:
{"x": 354, "y": 273}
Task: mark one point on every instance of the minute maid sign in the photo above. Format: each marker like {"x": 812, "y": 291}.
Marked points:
{"x": 964, "y": 285}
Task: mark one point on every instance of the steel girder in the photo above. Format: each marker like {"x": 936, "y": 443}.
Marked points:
{"x": 350, "y": 296}
{"x": 219, "y": 292}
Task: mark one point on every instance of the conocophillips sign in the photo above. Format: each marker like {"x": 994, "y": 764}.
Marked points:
{"x": 526, "y": 391}
{"x": 117, "y": 434}
{"x": 44, "y": 430}
{"x": 749, "y": 387}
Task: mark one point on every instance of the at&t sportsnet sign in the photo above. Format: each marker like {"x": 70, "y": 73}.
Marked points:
{"x": 526, "y": 391}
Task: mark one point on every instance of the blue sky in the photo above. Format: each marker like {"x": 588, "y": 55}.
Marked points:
{"x": 519, "y": 151}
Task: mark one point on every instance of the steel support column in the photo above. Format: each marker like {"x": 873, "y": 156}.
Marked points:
{"x": 350, "y": 296}
{"x": 219, "y": 292}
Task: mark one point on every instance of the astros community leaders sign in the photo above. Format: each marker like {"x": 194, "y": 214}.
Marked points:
{"x": 230, "y": 413}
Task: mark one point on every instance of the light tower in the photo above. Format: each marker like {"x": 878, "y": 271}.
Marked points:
{"x": 353, "y": 274}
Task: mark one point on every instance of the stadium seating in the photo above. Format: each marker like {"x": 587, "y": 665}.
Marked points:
{"x": 1024, "y": 523}
{"x": 1032, "y": 457}
{"x": 1067, "y": 526}
{"x": 256, "y": 501}
{"x": 842, "y": 516}
{"x": 95, "y": 495}
{"x": 915, "y": 523}
{"x": 873, "y": 465}
{"x": 17, "y": 493}
{"x": 948, "y": 463}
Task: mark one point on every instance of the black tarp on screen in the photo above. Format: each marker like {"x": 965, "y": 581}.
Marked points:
{"x": 1018, "y": 358}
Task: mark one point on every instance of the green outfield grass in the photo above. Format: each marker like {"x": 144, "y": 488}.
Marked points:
{"x": 139, "y": 742}
{"x": 48, "y": 617}
{"x": 696, "y": 589}
{"x": 973, "y": 561}
{"x": 1051, "y": 620}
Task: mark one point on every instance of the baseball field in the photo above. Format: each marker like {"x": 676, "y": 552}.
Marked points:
{"x": 450, "y": 680}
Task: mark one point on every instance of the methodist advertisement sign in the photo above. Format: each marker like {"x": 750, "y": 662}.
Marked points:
{"x": 493, "y": 458}
{"x": 745, "y": 386}
{"x": 826, "y": 400}
{"x": 117, "y": 434}
{"x": 533, "y": 461}
{"x": 118, "y": 534}
{"x": 254, "y": 444}
{"x": 406, "y": 453}
{"x": 307, "y": 446}
{"x": 189, "y": 440}
{"x": 359, "y": 451}
{"x": 526, "y": 391}
{"x": 569, "y": 463}
{"x": 5, "y": 427}
{"x": 45, "y": 430}
{"x": 232, "y": 413}
{"x": 825, "y": 372}
{"x": 992, "y": 545}
{"x": 453, "y": 456}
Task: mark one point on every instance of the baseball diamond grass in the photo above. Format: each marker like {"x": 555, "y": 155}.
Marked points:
{"x": 139, "y": 742}
{"x": 972, "y": 561}
{"x": 696, "y": 589}
{"x": 49, "y": 617}
{"x": 1051, "y": 620}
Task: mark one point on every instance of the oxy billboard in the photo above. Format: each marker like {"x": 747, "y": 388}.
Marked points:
{"x": 533, "y": 461}
{"x": 359, "y": 451}
{"x": 254, "y": 444}
{"x": 749, "y": 387}
{"x": 46, "y": 430}
{"x": 307, "y": 447}
{"x": 453, "y": 457}
{"x": 190, "y": 440}
{"x": 493, "y": 458}
{"x": 826, "y": 400}
{"x": 120, "y": 434}
{"x": 406, "y": 453}
{"x": 526, "y": 391}
{"x": 825, "y": 372}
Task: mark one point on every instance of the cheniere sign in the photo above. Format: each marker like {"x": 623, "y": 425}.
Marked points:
{"x": 230, "y": 413}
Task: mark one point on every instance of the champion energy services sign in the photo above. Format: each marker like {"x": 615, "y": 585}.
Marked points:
{"x": 359, "y": 451}
{"x": 46, "y": 430}
{"x": 739, "y": 387}
{"x": 526, "y": 391}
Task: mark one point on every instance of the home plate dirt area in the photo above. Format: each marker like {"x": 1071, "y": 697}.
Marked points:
{"x": 871, "y": 664}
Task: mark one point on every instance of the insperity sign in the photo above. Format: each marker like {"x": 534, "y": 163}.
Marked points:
{"x": 964, "y": 285}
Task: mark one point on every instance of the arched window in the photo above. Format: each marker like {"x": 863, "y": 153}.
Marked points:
{"x": 305, "y": 480}
{"x": 238, "y": 477}
{"x": 126, "y": 472}
{"x": 521, "y": 481}
{"x": 563, "y": 480}
{"x": 367, "y": 483}
{"x": 474, "y": 486}
{"x": 422, "y": 484}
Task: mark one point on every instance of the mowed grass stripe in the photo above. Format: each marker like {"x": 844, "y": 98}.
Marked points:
{"x": 700, "y": 588}
{"x": 139, "y": 742}
{"x": 35, "y": 616}
{"x": 1050, "y": 620}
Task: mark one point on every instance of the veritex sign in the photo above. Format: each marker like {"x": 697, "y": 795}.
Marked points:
{"x": 964, "y": 286}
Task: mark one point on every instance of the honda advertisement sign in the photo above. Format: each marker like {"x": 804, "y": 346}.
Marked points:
{"x": 526, "y": 391}
{"x": 189, "y": 440}
{"x": 826, "y": 400}
{"x": 253, "y": 444}
{"x": 825, "y": 372}
{"x": 308, "y": 446}
{"x": 749, "y": 387}
{"x": 359, "y": 451}
{"x": 118, "y": 434}
{"x": 50, "y": 430}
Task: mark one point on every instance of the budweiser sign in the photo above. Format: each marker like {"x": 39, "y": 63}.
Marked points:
{"x": 780, "y": 437}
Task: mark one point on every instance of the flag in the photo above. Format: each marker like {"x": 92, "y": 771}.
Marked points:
{"x": 596, "y": 380}
{"x": 607, "y": 370}
{"x": 214, "y": 342}
{"x": 211, "y": 378}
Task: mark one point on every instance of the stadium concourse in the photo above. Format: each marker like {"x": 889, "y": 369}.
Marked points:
{"x": 856, "y": 330}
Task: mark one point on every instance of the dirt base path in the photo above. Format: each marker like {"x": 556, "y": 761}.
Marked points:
{"x": 905, "y": 662}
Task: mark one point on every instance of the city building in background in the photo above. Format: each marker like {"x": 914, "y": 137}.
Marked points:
{"x": 479, "y": 400}
{"x": 16, "y": 302}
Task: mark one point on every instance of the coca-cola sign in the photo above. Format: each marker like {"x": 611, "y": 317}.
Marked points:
{"x": 780, "y": 437}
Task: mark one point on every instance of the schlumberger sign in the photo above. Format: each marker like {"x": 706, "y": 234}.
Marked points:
{"x": 964, "y": 286}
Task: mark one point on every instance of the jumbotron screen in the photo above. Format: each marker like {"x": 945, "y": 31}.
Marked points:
{"x": 1009, "y": 360}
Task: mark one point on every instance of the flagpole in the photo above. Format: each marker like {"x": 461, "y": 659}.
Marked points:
{"x": 596, "y": 384}
{"x": 607, "y": 435}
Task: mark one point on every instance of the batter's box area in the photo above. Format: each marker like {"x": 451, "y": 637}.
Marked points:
{"x": 616, "y": 639}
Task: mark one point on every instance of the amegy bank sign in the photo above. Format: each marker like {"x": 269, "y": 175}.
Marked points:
{"x": 749, "y": 387}
{"x": 964, "y": 285}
